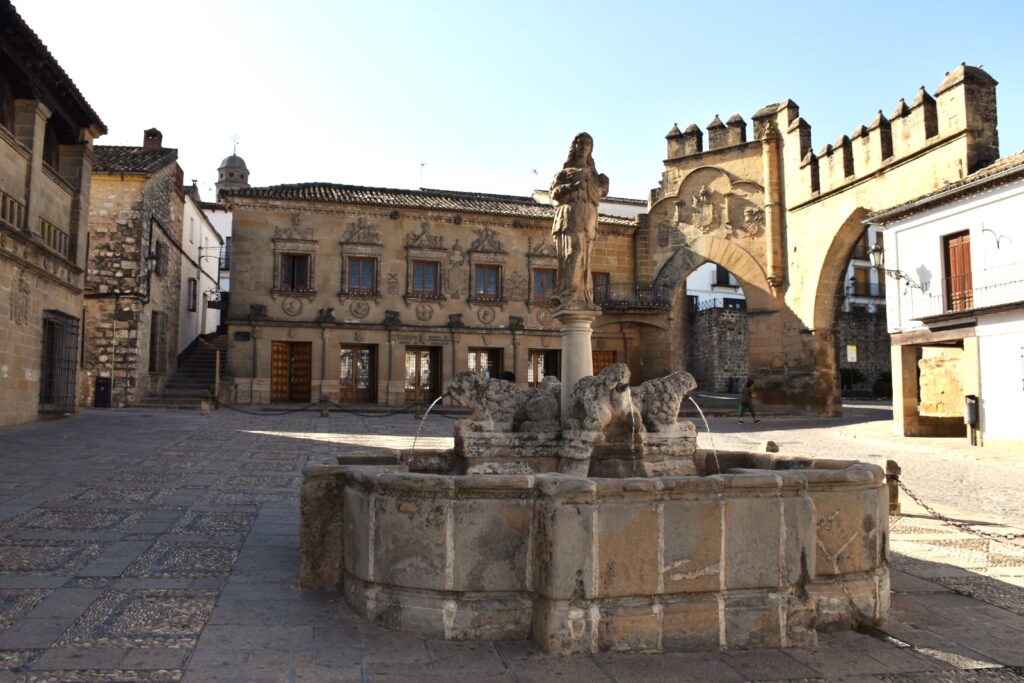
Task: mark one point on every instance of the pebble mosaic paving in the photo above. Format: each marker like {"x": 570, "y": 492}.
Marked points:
{"x": 171, "y": 554}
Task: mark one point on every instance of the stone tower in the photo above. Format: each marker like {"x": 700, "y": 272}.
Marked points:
{"x": 232, "y": 174}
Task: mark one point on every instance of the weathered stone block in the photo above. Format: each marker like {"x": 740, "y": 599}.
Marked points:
{"x": 848, "y": 602}
{"x": 563, "y": 550}
{"x": 690, "y": 623}
{"x": 799, "y": 551}
{"x": 627, "y": 549}
{"x": 321, "y": 530}
{"x": 491, "y": 618}
{"x": 410, "y": 540}
{"x": 357, "y": 533}
{"x": 629, "y": 628}
{"x": 693, "y": 546}
{"x": 846, "y": 529}
{"x": 491, "y": 544}
{"x": 752, "y": 537}
{"x": 564, "y": 627}
{"x": 752, "y": 621}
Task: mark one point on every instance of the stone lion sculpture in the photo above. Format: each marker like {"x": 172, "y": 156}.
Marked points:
{"x": 658, "y": 400}
{"x": 597, "y": 400}
{"x": 501, "y": 406}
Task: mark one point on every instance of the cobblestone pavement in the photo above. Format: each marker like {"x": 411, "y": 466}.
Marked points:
{"x": 161, "y": 546}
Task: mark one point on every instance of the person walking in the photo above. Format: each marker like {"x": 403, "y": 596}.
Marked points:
{"x": 747, "y": 402}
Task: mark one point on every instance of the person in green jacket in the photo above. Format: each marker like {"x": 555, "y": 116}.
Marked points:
{"x": 747, "y": 402}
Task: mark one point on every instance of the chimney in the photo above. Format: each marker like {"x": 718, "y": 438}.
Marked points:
{"x": 152, "y": 139}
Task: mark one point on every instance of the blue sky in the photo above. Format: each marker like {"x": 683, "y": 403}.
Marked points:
{"x": 486, "y": 92}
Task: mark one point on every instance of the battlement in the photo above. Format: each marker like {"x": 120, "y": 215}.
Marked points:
{"x": 965, "y": 101}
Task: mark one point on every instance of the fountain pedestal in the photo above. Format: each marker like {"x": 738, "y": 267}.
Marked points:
{"x": 577, "y": 358}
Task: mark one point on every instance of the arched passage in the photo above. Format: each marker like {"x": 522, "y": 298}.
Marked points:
{"x": 764, "y": 352}
{"x": 827, "y": 296}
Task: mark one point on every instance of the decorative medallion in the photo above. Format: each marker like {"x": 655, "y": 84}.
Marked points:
{"x": 665, "y": 232}
{"x": 392, "y": 285}
{"x": 486, "y": 315}
{"x": 544, "y": 317}
{"x": 291, "y": 306}
{"x": 359, "y": 309}
{"x": 424, "y": 312}
{"x": 360, "y": 336}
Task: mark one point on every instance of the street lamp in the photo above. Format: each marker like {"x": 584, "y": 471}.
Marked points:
{"x": 877, "y": 256}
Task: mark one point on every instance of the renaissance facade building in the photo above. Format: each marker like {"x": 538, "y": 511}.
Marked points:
{"x": 373, "y": 294}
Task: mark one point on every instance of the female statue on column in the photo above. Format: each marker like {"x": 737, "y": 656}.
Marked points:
{"x": 576, "y": 190}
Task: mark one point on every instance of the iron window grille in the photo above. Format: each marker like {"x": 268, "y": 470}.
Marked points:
{"x": 59, "y": 363}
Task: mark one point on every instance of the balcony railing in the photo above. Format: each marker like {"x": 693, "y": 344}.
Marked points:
{"x": 874, "y": 290}
{"x": 987, "y": 288}
{"x": 625, "y": 297}
{"x": 55, "y": 238}
{"x": 12, "y": 212}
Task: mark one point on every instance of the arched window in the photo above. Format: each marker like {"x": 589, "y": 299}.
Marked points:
{"x": 6, "y": 105}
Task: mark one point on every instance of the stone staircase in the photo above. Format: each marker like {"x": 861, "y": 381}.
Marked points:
{"x": 192, "y": 382}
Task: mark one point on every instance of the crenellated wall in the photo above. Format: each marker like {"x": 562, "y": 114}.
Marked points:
{"x": 784, "y": 218}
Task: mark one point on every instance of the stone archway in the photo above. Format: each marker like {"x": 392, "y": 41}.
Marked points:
{"x": 765, "y": 352}
{"x": 829, "y": 282}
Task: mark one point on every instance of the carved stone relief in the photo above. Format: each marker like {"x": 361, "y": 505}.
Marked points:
{"x": 486, "y": 314}
{"x": 393, "y": 285}
{"x": 711, "y": 201}
{"x": 424, "y": 312}
{"x": 291, "y": 306}
{"x": 486, "y": 241}
{"x": 424, "y": 239}
{"x": 361, "y": 232}
{"x": 359, "y": 309}
{"x": 20, "y": 302}
{"x": 544, "y": 318}
{"x": 516, "y": 287}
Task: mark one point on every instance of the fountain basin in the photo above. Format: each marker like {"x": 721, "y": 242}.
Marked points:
{"x": 764, "y": 555}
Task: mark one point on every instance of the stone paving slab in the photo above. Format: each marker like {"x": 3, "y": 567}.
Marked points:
{"x": 168, "y": 552}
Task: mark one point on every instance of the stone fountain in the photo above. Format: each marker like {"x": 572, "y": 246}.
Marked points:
{"x": 582, "y": 515}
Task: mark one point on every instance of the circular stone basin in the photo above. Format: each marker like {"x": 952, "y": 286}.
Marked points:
{"x": 764, "y": 555}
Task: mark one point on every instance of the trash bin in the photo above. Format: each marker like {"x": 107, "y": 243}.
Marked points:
{"x": 102, "y": 396}
{"x": 971, "y": 410}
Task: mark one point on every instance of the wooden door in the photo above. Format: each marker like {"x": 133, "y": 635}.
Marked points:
{"x": 959, "y": 285}
{"x": 602, "y": 359}
{"x": 422, "y": 374}
{"x": 280, "y": 361}
{"x": 358, "y": 376}
{"x": 290, "y": 367}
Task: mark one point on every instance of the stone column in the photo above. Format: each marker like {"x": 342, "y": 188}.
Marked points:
{"x": 577, "y": 359}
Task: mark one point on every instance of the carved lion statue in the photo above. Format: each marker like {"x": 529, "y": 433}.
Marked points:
{"x": 658, "y": 400}
{"x": 597, "y": 400}
{"x": 501, "y": 406}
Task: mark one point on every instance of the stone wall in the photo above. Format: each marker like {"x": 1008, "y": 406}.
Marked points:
{"x": 122, "y": 235}
{"x": 942, "y": 393}
{"x": 719, "y": 349}
{"x": 867, "y": 332}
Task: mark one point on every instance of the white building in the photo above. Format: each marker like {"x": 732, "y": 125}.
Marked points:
{"x": 201, "y": 246}
{"x": 956, "y": 307}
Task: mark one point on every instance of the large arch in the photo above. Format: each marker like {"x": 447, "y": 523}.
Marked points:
{"x": 726, "y": 253}
{"x": 826, "y": 300}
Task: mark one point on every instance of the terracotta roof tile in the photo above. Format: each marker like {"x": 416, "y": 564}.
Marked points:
{"x": 445, "y": 200}
{"x": 116, "y": 159}
{"x": 19, "y": 38}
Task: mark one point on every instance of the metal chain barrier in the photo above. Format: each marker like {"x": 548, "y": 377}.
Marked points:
{"x": 337, "y": 407}
{"x": 267, "y": 413}
{"x": 956, "y": 523}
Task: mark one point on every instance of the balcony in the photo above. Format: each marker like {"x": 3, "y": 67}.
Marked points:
{"x": 632, "y": 297}
{"x": 55, "y": 238}
{"x": 872, "y": 290}
{"x": 992, "y": 288}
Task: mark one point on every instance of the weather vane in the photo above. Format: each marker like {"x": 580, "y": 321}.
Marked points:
{"x": 235, "y": 139}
